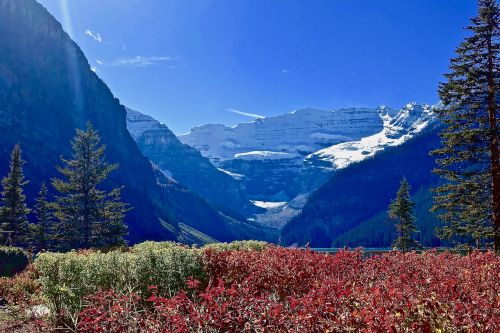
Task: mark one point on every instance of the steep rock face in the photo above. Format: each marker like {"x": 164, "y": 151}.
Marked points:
{"x": 185, "y": 164}
{"x": 47, "y": 90}
{"x": 350, "y": 209}
{"x": 199, "y": 222}
{"x": 266, "y": 179}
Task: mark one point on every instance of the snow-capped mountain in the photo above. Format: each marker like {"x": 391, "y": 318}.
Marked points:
{"x": 290, "y": 136}
{"x": 281, "y": 157}
{"x": 279, "y": 160}
{"x": 311, "y": 133}
{"x": 398, "y": 127}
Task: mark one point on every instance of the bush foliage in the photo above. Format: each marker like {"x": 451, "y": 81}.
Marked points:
{"x": 284, "y": 290}
{"x": 13, "y": 260}
{"x": 237, "y": 246}
{"x": 66, "y": 278}
{"x": 255, "y": 287}
{"x": 20, "y": 289}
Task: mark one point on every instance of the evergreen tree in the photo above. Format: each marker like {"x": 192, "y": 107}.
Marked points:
{"x": 41, "y": 231}
{"x": 14, "y": 212}
{"x": 469, "y": 200}
{"x": 87, "y": 215}
{"x": 112, "y": 233}
{"x": 401, "y": 212}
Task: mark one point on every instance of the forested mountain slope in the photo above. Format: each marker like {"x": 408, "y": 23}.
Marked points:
{"x": 350, "y": 209}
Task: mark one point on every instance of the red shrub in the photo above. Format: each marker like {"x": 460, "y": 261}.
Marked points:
{"x": 282, "y": 290}
{"x": 20, "y": 288}
{"x": 280, "y": 271}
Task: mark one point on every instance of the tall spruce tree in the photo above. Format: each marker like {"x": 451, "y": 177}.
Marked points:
{"x": 401, "y": 212}
{"x": 14, "y": 212}
{"x": 469, "y": 200}
{"x": 42, "y": 230}
{"x": 112, "y": 233}
{"x": 87, "y": 215}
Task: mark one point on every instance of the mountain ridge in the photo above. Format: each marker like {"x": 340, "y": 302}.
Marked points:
{"x": 184, "y": 163}
{"x": 285, "y": 157}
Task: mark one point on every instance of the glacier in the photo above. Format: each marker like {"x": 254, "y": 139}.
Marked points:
{"x": 338, "y": 136}
{"x": 280, "y": 160}
{"x": 397, "y": 129}
{"x": 266, "y": 169}
{"x": 297, "y": 134}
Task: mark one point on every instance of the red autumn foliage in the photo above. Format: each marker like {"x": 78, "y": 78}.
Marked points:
{"x": 284, "y": 290}
{"x": 19, "y": 289}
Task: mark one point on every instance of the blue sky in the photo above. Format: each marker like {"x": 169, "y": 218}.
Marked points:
{"x": 191, "y": 62}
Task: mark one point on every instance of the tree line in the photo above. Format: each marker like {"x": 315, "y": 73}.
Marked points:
{"x": 468, "y": 201}
{"x": 80, "y": 215}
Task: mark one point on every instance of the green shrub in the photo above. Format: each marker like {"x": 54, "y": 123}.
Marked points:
{"x": 147, "y": 246}
{"x": 67, "y": 278}
{"x": 249, "y": 245}
{"x": 13, "y": 260}
{"x": 167, "y": 266}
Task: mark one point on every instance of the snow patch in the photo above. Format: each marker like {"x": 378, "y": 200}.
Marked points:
{"x": 268, "y": 204}
{"x": 232, "y": 174}
{"x": 167, "y": 173}
{"x": 276, "y": 217}
{"x": 138, "y": 123}
{"x": 264, "y": 155}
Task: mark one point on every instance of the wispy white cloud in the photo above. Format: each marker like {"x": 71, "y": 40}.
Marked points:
{"x": 251, "y": 115}
{"x": 94, "y": 35}
{"x": 284, "y": 70}
{"x": 99, "y": 62}
{"x": 140, "y": 61}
